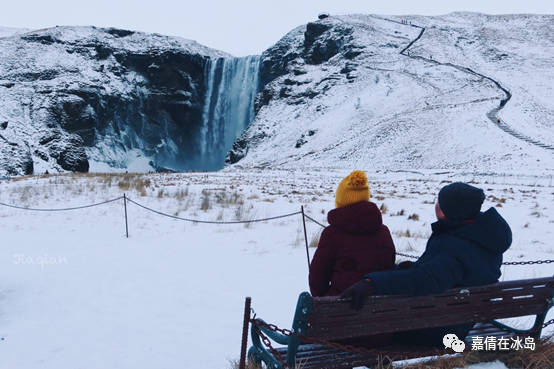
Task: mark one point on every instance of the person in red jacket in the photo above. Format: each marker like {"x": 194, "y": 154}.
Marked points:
{"x": 355, "y": 243}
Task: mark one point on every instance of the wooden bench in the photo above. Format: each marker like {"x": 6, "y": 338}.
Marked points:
{"x": 330, "y": 318}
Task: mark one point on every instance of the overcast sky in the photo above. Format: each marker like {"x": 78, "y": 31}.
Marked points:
{"x": 239, "y": 27}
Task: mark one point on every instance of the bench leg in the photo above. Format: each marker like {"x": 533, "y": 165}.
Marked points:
{"x": 246, "y": 321}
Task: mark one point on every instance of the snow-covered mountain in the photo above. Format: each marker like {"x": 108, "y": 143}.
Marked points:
{"x": 72, "y": 97}
{"x": 391, "y": 92}
{"x": 9, "y": 31}
{"x": 462, "y": 91}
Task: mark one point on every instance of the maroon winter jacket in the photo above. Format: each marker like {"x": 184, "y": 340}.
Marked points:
{"x": 355, "y": 243}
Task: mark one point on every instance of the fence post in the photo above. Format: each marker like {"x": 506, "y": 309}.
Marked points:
{"x": 246, "y": 321}
{"x": 125, "y": 206}
{"x": 305, "y": 235}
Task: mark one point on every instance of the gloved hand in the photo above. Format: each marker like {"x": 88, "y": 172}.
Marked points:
{"x": 359, "y": 292}
{"x": 405, "y": 265}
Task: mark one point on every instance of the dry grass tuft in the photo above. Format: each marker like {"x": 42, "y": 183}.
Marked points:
{"x": 408, "y": 247}
{"x": 540, "y": 358}
{"x": 206, "y": 200}
{"x": 384, "y": 209}
{"x": 125, "y": 182}
{"x": 405, "y": 233}
{"x": 314, "y": 241}
{"x": 182, "y": 193}
{"x": 235, "y": 364}
{"x": 414, "y": 216}
{"x": 399, "y": 213}
{"x": 410, "y": 234}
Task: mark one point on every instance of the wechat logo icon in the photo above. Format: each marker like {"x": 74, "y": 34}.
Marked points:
{"x": 452, "y": 341}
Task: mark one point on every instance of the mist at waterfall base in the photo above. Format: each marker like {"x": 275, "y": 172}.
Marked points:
{"x": 231, "y": 87}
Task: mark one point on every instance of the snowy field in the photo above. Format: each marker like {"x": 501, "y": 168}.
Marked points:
{"x": 75, "y": 292}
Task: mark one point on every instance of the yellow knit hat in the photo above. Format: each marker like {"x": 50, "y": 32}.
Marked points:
{"x": 352, "y": 189}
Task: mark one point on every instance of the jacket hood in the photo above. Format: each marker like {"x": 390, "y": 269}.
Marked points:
{"x": 489, "y": 230}
{"x": 360, "y": 218}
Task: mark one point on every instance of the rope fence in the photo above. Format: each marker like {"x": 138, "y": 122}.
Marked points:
{"x": 301, "y": 212}
{"x": 63, "y": 209}
{"x": 210, "y": 221}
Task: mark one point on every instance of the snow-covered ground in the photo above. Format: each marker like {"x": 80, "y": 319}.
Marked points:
{"x": 172, "y": 294}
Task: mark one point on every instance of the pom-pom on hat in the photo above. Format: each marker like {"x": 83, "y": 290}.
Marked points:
{"x": 460, "y": 201}
{"x": 352, "y": 189}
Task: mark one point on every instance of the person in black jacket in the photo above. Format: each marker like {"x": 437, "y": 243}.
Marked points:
{"x": 465, "y": 249}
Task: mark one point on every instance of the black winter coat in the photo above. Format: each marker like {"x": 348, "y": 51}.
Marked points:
{"x": 458, "y": 253}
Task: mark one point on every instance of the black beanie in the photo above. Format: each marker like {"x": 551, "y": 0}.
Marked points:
{"x": 460, "y": 201}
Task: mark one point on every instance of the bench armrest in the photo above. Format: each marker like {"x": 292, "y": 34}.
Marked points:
{"x": 259, "y": 353}
{"x": 275, "y": 336}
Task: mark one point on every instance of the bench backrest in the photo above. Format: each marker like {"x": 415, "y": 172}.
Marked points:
{"x": 330, "y": 318}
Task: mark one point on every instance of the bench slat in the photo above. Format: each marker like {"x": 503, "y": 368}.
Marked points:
{"x": 332, "y": 318}
{"x": 316, "y": 356}
{"x": 363, "y": 326}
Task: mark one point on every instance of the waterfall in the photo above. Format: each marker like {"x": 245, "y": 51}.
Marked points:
{"x": 231, "y": 86}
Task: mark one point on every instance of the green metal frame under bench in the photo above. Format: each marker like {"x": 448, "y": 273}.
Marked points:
{"x": 331, "y": 319}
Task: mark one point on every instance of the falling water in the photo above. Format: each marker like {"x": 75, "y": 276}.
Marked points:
{"x": 232, "y": 85}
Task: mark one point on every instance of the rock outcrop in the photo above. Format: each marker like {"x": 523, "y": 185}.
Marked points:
{"x": 71, "y": 96}
{"x": 307, "y": 47}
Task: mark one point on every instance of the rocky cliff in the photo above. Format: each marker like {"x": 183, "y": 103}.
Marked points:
{"x": 75, "y": 96}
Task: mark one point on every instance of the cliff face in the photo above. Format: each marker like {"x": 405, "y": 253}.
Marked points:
{"x": 304, "y": 49}
{"x": 311, "y": 44}
{"x": 72, "y": 96}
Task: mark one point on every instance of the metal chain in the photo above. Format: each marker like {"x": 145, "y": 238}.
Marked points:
{"x": 256, "y": 324}
{"x": 505, "y": 263}
{"x": 417, "y": 257}
{"x": 536, "y": 329}
{"x": 212, "y": 222}
{"x": 528, "y": 262}
{"x": 408, "y": 256}
{"x": 551, "y": 321}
